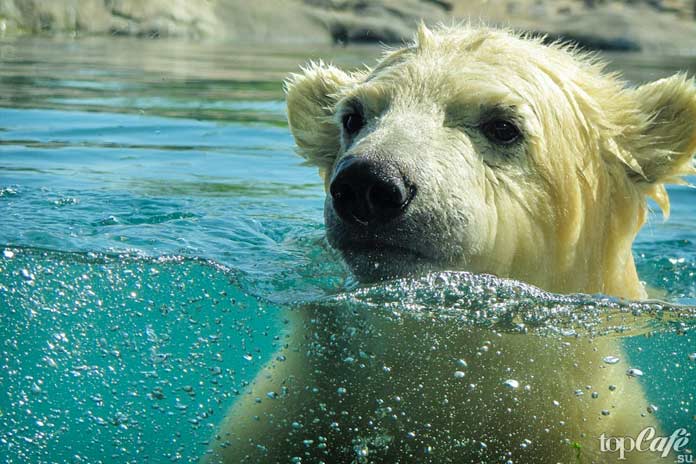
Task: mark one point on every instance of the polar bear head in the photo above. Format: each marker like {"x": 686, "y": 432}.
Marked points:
{"x": 478, "y": 149}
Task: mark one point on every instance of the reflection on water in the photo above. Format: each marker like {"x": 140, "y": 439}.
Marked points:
{"x": 164, "y": 78}
{"x": 157, "y": 230}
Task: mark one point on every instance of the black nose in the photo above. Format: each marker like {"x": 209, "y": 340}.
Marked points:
{"x": 367, "y": 191}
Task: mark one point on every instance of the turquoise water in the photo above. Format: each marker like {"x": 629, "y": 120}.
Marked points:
{"x": 155, "y": 223}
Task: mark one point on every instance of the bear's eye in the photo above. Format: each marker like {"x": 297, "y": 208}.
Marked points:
{"x": 353, "y": 122}
{"x": 501, "y": 131}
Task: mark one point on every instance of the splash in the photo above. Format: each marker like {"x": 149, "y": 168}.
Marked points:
{"x": 509, "y": 306}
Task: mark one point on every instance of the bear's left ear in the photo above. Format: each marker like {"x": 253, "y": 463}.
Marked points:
{"x": 666, "y": 141}
{"x": 311, "y": 99}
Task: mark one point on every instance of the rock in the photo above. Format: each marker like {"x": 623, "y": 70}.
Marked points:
{"x": 622, "y": 28}
{"x": 238, "y": 20}
{"x": 192, "y": 18}
{"x": 388, "y": 21}
{"x": 628, "y": 25}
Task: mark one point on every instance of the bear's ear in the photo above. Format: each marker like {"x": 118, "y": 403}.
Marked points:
{"x": 667, "y": 140}
{"x": 311, "y": 99}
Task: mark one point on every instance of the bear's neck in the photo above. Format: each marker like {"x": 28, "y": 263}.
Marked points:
{"x": 586, "y": 248}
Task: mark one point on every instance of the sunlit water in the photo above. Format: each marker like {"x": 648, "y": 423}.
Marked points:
{"x": 155, "y": 223}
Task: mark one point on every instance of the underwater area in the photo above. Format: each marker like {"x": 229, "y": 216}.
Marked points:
{"x": 156, "y": 224}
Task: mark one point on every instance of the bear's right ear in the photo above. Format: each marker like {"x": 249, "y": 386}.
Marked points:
{"x": 311, "y": 99}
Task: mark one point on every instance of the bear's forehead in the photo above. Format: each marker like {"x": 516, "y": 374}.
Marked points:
{"x": 466, "y": 61}
{"x": 480, "y": 67}
{"x": 446, "y": 78}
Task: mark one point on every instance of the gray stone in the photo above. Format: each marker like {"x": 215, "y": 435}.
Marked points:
{"x": 618, "y": 25}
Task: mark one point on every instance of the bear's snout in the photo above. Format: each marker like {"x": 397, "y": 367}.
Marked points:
{"x": 368, "y": 192}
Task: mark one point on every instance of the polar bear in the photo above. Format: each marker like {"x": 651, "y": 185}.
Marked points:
{"x": 482, "y": 150}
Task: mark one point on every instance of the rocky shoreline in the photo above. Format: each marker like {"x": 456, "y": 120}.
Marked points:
{"x": 652, "y": 25}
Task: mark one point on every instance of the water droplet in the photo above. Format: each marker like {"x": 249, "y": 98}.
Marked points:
{"x": 272, "y": 395}
{"x": 462, "y": 363}
{"x": 652, "y": 409}
{"x": 341, "y": 391}
{"x": 611, "y": 359}
{"x": 9, "y": 254}
{"x": 595, "y": 395}
{"x": 692, "y": 356}
{"x": 510, "y": 383}
{"x": 633, "y": 372}
{"x": 248, "y": 357}
{"x": 459, "y": 375}
{"x": 555, "y": 403}
{"x": 612, "y": 387}
{"x": 605, "y": 412}
{"x": 579, "y": 392}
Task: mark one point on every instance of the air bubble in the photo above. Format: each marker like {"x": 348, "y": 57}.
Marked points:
{"x": 28, "y": 276}
{"x": 511, "y": 383}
